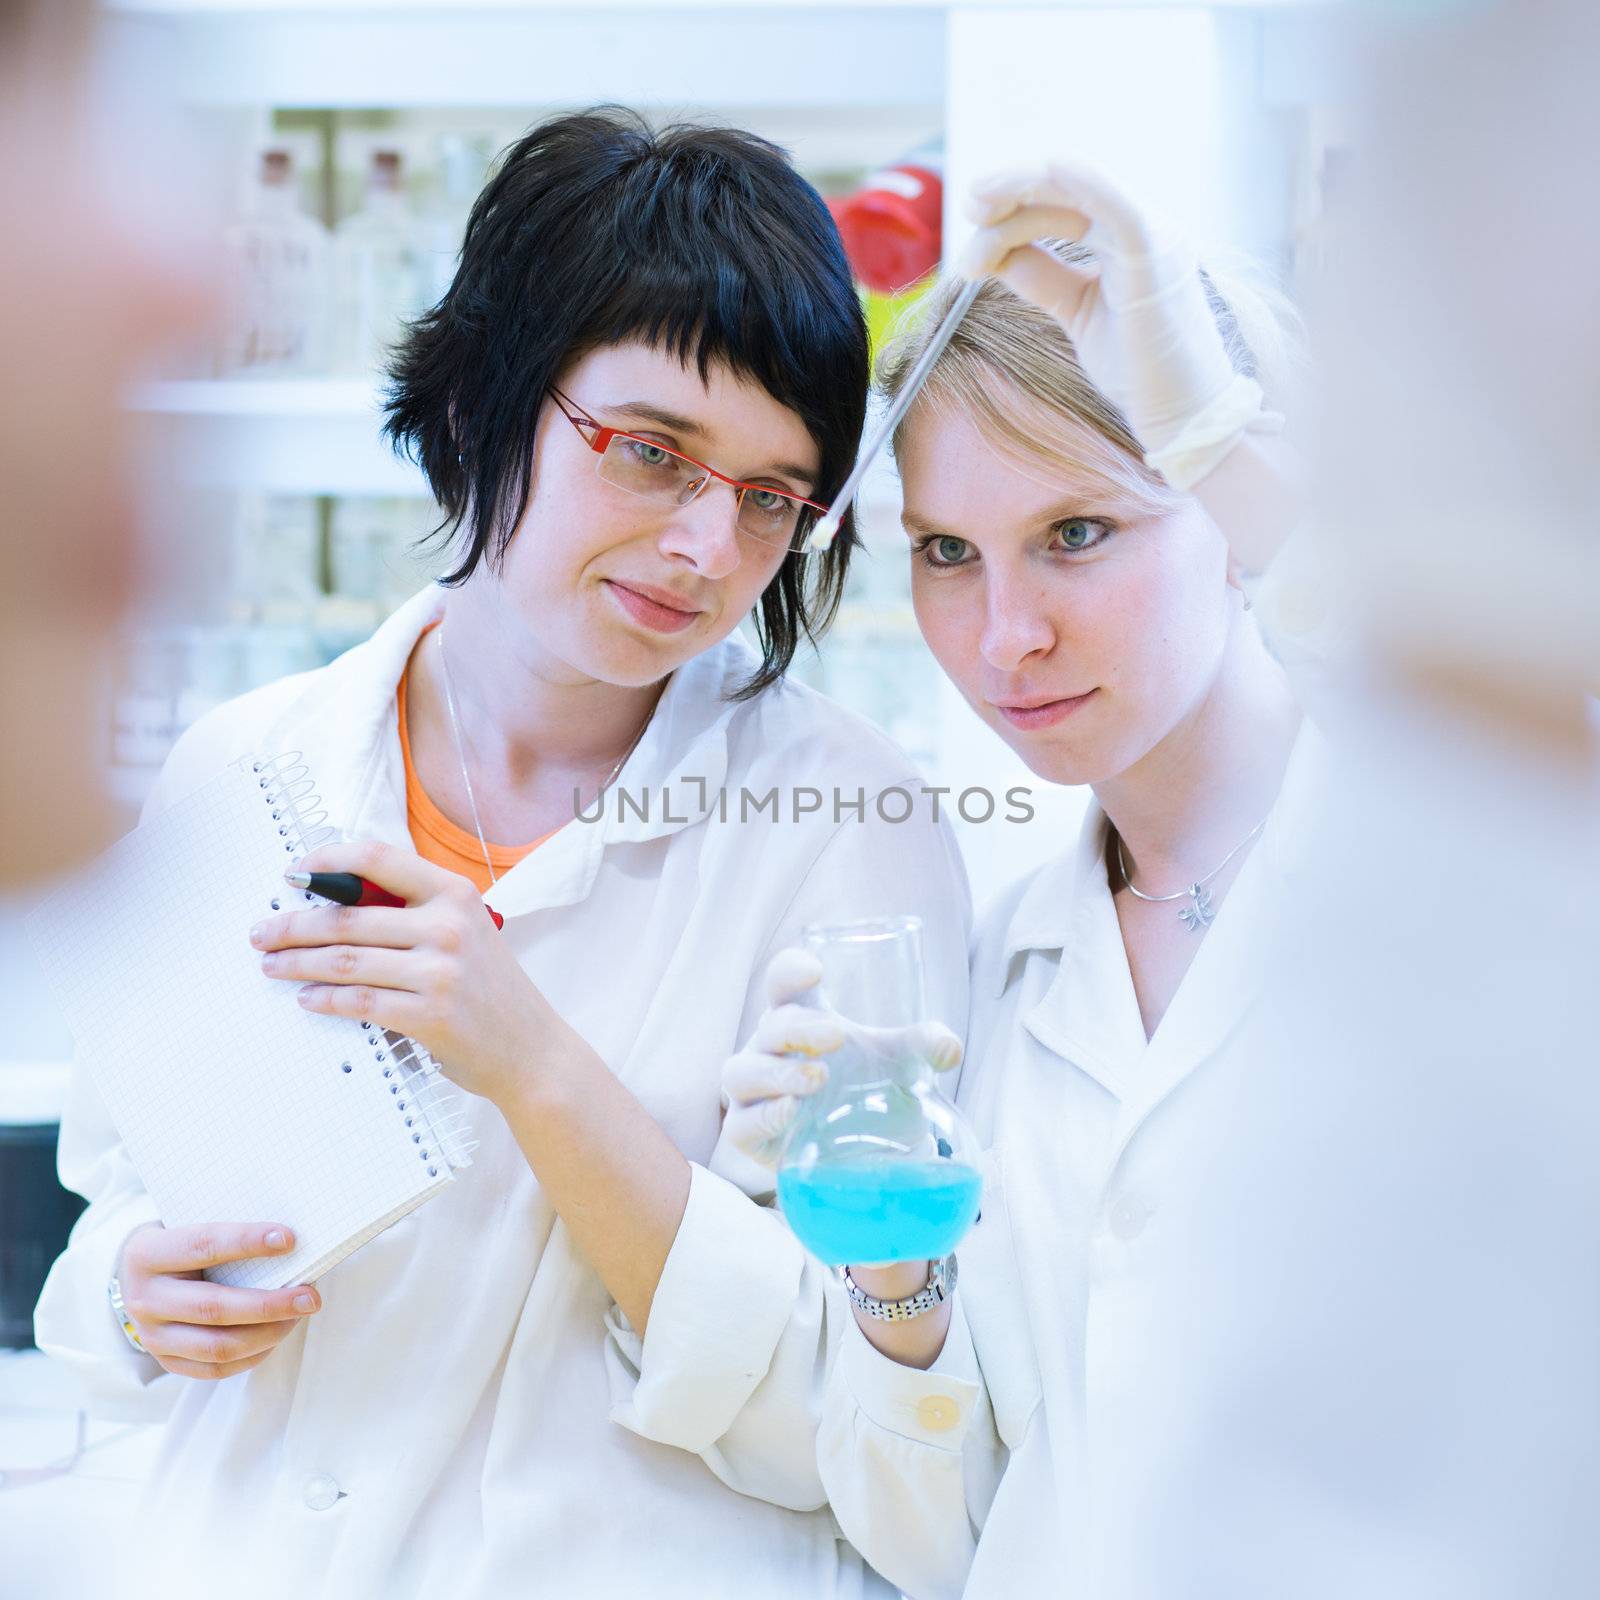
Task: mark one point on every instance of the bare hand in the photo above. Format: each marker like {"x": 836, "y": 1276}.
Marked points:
{"x": 199, "y": 1329}
{"x": 435, "y": 969}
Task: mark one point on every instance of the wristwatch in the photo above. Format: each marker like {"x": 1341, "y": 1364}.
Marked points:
{"x": 940, "y": 1286}
{"x": 124, "y": 1321}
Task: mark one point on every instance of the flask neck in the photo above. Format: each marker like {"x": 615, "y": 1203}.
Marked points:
{"x": 862, "y": 1065}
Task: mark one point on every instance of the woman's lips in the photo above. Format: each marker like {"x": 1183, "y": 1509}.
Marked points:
{"x": 648, "y": 612}
{"x": 1047, "y": 715}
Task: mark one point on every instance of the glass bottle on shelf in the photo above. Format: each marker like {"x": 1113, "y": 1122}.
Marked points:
{"x": 462, "y": 163}
{"x": 406, "y": 564}
{"x": 379, "y": 267}
{"x": 149, "y": 677}
{"x": 277, "y": 270}
{"x": 878, "y": 1166}
{"x": 374, "y": 551}
{"x": 213, "y": 671}
{"x": 275, "y": 558}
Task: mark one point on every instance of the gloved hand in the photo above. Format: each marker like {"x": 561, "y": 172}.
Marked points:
{"x": 1137, "y": 313}
{"x": 764, "y": 1084}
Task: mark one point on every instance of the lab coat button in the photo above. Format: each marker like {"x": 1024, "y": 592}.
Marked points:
{"x": 321, "y": 1492}
{"x": 1128, "y": 1218}
{"x": 938, "y": 1413}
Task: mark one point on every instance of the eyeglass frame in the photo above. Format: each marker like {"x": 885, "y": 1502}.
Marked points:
{"x": 601, "y": 442}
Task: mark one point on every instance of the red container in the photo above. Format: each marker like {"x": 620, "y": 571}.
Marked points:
{"x": 893, "y": 225}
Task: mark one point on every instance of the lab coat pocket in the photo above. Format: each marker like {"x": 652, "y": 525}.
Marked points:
{"x": 991, "y": 1294}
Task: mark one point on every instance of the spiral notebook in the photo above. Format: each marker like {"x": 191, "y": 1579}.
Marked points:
{"x": 234, "y": 1103}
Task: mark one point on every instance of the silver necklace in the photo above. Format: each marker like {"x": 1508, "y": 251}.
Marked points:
{"x": 461, "y": 754}
{"x": 1200, "y": 914}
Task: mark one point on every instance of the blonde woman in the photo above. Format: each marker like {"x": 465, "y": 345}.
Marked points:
{"x": 1087, "y": 474}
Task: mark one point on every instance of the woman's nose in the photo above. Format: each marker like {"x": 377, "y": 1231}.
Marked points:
{"x": 1015, "y": 626}
{"x": 705, "y": 531}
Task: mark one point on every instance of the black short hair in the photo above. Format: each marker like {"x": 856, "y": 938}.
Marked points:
{"x": 596, "y": 230}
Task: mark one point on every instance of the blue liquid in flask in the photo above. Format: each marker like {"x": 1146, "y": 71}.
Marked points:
{"x": 878, "y": 1210}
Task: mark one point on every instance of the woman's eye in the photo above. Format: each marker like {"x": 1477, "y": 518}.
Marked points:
{"x": 766, "y": 499}
{"x": 649, "y": 455}
{"x": 1080, "y": 533}
{"x": 947, "y": 551}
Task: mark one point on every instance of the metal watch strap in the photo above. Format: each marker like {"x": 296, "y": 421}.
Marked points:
{"x": 124, "y": 1321}
{"x": 940, "y": 1286}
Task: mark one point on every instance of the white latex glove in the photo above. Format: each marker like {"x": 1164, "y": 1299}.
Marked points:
{"x": 1137, "y": 315}
{"x": 763, "y": 1085}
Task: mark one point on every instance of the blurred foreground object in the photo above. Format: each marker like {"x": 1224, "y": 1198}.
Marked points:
{"x": 85, "y": 303}
{"x": 1369, "y": 1365}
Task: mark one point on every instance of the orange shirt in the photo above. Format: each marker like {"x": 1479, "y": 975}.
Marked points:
{"x": 435, "y": 837}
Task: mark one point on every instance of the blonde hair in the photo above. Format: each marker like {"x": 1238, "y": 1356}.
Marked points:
{"x": 1013, "y": 369}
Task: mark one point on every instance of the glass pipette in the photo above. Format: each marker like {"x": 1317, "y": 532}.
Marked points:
{"x": 827, "y": 529}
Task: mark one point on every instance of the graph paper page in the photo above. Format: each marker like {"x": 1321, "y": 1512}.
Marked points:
{"x": 233, "y": 1101}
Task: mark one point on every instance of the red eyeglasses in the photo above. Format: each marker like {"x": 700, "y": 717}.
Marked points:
{"x": 669, "y": 478}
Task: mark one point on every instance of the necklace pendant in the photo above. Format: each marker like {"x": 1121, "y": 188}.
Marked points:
{"x": 1199, "y": 915}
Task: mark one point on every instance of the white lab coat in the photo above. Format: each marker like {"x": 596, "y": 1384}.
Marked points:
{"x": 1015, "y": 1431}
{"x": 470, "y": 1415}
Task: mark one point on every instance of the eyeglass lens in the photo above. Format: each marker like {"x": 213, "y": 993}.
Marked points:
{"x": 655, "y": 473}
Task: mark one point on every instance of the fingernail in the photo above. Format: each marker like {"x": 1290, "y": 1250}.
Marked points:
{"x": 256, "y": 933}
{"x": 276, "y": 1240}
{"x": 304, "y": 1302}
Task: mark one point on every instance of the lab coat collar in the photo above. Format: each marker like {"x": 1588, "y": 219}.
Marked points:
{"x": 345, "y": 727}
{"x": 344, "y": 724}
{"x": 1089, "y": 1015}
{"x": 1229, "y": 971}
{"x": 1052, "y": 902}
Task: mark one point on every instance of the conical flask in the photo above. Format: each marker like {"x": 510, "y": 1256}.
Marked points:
{"x": 879, "y": 1166}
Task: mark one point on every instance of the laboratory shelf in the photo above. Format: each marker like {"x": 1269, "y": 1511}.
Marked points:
{"x": 318, "y": 436}
{"x": 259, "y": 397}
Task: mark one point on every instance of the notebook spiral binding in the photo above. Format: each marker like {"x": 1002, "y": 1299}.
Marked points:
{"x": 435, "y": 1116}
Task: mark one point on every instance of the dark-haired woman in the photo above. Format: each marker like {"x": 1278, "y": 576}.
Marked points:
{"x": 590, "y": 1366}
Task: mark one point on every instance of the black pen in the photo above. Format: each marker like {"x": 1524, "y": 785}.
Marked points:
{"x": 350, "y": 889}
